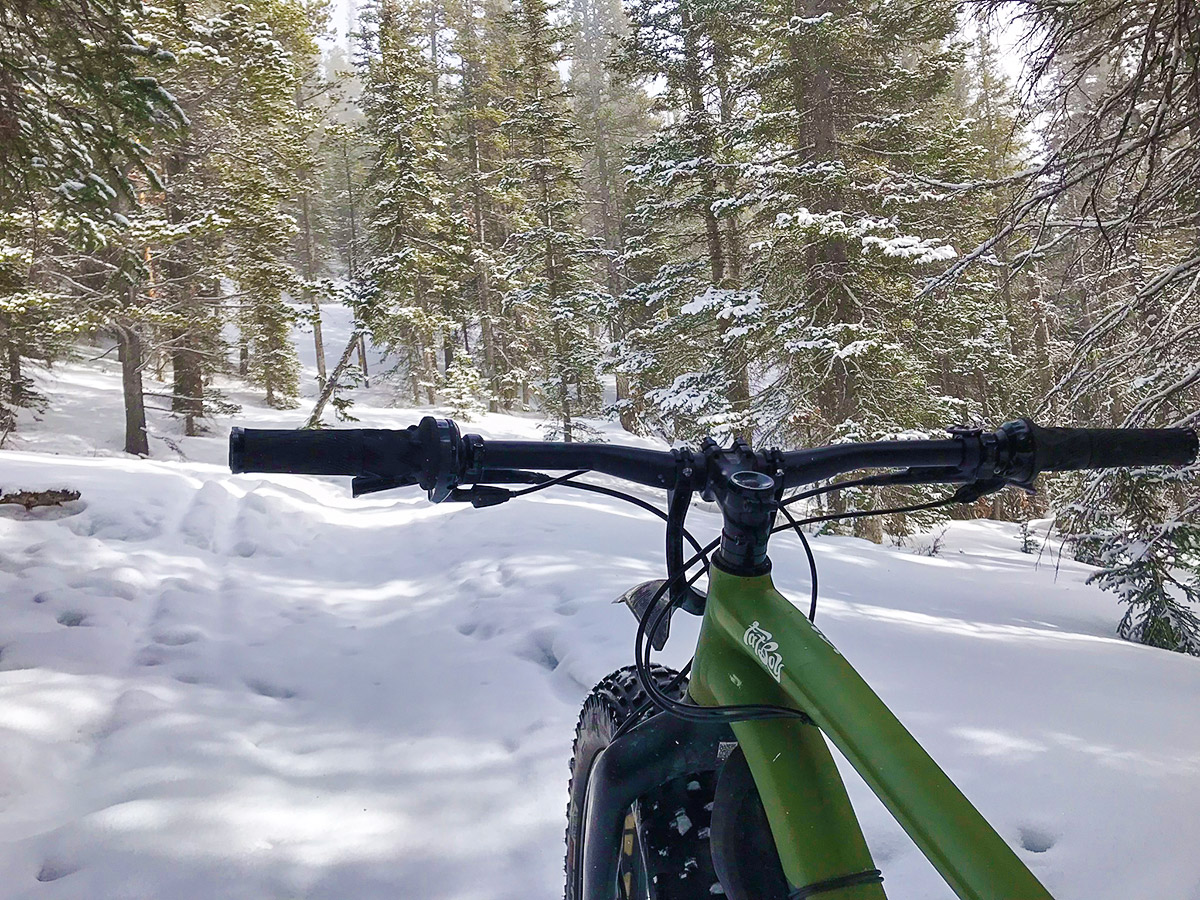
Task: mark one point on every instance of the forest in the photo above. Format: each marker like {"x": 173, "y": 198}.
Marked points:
{"x": 793, "y": 221}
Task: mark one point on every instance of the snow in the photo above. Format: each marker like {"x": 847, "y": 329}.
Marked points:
{"x": 909, "y": 247}
{"x": 258, "y": 687}
{"x": 728, "y": 303}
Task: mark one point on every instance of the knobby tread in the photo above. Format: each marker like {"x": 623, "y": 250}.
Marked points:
{"x": 675, "y": 818}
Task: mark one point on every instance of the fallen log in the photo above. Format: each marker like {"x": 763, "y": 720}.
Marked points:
{"x": 30, "y": 499}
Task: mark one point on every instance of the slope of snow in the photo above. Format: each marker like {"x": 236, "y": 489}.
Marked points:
{"x": 257, "y": 687}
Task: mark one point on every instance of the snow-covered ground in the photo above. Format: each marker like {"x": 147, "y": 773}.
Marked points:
{"x": 217, "y": 686}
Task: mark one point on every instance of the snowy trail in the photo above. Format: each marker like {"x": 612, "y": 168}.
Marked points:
{"x": 232, "y": 679}
{"x": 253, "y": 687}
{"x": 255, "y": 650}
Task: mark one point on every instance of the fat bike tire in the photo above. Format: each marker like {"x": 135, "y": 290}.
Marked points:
{"x": 664, "y": 852}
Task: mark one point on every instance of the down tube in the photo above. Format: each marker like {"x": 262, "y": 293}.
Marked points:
{"x": 975, "y": 861}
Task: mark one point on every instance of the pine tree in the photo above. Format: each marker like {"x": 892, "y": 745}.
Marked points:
{"x": 78, "y": 98}
{"x": 463, "y": 390}
{"x": 316, "y": 97}
{"x": 216, "y": 217}
{"x": 1103, "y": 222}
{"x": 687, "y": 362}
{"x": 852, "y": 112}
{"x": 613, "y": 113}
{"x": 273, "y": 179}
{"x": 1135, "y": 526}
{"x": 345, "y": 149}
{"x": 549, "y": 249}
{"x": 476, "y": 98}
{"x": 416, "y": 254}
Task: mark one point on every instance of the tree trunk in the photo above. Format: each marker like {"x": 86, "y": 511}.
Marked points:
{"x": 869, "y": 528}
{"x": 609, "y": 218}
{"x": 692, "y": 79}
{"x": 362, "y": 359}
{"x": 16, "y": 380}
{"x": 12, "y": 357}
{"x": 352, "y": 250}
{"x": 448, "y": 348}
{"x": 815, "y": 104}
{"x": 628, "y": 419}
{"x": 187, "y": 384}
{"x": 565, "y": 386}
{"x": 310, "y": 268}
{"x": 489, "y": 358}
{"x": 471, "y": 82}
{"x": 318, "y": 343}
{"x": 430, "y": 372}
{"x": 738, "y": 393}
{"x": 129, "y": 351}
{"x": 314, "y": 419}
{"x": 158, "y": 359}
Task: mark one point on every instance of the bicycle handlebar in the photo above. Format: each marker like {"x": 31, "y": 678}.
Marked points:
{"x": 351, "y": 451}
{"x": 1072, "y": 449}
{"x": 434, "y": 455}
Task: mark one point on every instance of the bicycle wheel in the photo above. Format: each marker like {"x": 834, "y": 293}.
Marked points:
{"x": 664, "y": 851}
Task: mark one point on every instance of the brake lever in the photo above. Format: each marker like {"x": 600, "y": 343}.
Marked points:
{"x": 481, "y": 495}
{"x": 973, "y": 490}
{"x": 968, "y": 491}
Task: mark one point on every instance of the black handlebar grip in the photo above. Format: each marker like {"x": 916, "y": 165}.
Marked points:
{"x": 1041, "y": 449}
{"x": 353, "y": 451}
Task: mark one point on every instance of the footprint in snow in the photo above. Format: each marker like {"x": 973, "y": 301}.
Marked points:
{"x": 1036, "y": 840}
{"x": 12, "y": 659}
{"x": 267, "y": 689}
{"x": 266, "y": 527}
{"x": 538, "y": 649}
{"x": 132, "y": 706}
{"x": 55, "y": 594}
{"x": 53, "y": 869}
{"x": 244, "y": 549}
{"x": 175, "y": 586}
{"x": 125, "y": 582}
{"x": 480, "y": 630}
{"x": 148, "y": 656}
{"x": 188, "y": 678}
{"x": 131, "y": 526}
{"x": 202, "y": 519}
{"x": 176, "y": 637}
{"x": 72, "y": 618}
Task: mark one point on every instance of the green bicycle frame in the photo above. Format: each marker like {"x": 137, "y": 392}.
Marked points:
{"x": 756, "y": 647}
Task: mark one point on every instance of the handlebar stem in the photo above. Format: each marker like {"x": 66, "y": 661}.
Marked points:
{"x": 742, "y": 484}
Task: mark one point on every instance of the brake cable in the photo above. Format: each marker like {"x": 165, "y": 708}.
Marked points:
{"x": 553, "y": 482}
{"x": 864, "y": 513}
{"x": 687, "y": 711}
{"x": 642, "y": 645}
{"x": 729, "y": 714}
{"x": 794, "y": 524}
{"x": 812, "y": 561}
{"x": 567, "y": 481}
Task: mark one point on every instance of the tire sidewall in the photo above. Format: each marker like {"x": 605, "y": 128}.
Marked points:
{"x": 595, "y": 733}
